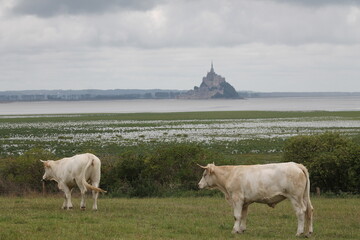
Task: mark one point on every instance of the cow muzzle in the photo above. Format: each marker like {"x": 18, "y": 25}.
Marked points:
{"x": 202, "y": 184}
{"x": 45, "y": 177}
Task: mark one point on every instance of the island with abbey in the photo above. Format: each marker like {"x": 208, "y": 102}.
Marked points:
{"x": 212, "y": 86}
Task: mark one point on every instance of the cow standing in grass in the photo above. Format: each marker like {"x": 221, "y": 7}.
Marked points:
{"x": 268, "y": 184}
{"x": 77, "y": 170}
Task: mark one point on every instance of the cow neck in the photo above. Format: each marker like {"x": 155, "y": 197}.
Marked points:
{"x": 222, "y": 176}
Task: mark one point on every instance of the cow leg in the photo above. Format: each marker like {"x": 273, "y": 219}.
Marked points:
{"x": 95, "y": 181}
{"x": 308, "y": 219}
{"x": 82, "y": 203}
{"x": 244, "y": 212}
{"x": 300, "y": 209}
{"x": 238, "y": 206}
{"x": 83, "y": 194}
{"x": 67, "y": 202}
{"x": 64, "y": 206}
{"x": 60, "y": 186}
{"x": 95, "y": 195}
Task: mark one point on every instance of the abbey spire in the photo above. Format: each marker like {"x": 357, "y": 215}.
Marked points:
{"x": 212, "y": 67}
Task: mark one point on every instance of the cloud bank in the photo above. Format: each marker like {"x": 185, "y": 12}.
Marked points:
{"x": 66, "y": 42}
{"x": 157, "y": 24}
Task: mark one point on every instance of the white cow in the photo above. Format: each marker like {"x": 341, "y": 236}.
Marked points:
{"x": 268, "y": 183}
{"x": 76, "y": 170}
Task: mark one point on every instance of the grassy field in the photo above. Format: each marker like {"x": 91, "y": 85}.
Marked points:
{"x": 248, "y": 136}
{"x": 169, "y": 218}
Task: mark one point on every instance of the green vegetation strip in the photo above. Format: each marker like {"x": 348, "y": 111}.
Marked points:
{"x": 183, "y": 115}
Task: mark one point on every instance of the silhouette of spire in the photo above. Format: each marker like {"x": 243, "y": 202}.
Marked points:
{"x": 212, "y": 67}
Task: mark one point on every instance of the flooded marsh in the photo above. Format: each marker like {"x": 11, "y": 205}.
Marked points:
{"x": 21, "y": 134}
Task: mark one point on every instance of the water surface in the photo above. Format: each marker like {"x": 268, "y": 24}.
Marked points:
{"x": 177, "y": 105}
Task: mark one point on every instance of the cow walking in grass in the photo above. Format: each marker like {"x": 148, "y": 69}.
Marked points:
{"x": 77, "y": 170}
{"x": 268, "y": 184}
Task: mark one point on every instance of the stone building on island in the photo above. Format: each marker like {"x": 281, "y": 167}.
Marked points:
{"x": 212, "y": 86}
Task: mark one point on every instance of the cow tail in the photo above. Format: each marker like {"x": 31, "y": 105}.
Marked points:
{"x": 90, "y": 187}
{"x": 85, "y": 183}
{"x": 307, "y": 201}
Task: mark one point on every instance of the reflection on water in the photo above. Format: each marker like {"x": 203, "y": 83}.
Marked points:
{"x": 167, "y": 105}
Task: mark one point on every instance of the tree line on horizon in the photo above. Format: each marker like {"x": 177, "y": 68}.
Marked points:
{"x": 118, "y": 94}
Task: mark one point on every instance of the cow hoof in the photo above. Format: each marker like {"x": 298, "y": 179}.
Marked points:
{"x": 304, "y": 235}
{"x": 237, "y": 231}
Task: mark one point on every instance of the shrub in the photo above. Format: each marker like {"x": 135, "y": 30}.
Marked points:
{"x": 24, "y": 173}
{"x": 354, "y": 170}
{"x": 156, "y": 172}
{"x": 333, "y": 160}
{"x": 175, "y": 166}
{"x": 124, "y": 176}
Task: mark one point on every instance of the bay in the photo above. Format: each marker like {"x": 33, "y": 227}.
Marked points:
{"x": 177, "y": 105}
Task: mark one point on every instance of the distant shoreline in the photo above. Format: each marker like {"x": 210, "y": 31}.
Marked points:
{"x": 133, "y": 94}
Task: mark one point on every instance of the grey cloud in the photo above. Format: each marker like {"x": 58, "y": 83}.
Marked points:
{"x": 181, "y": 23}
{"x": 49, "y": 8}
{"x": 319, "y": 3}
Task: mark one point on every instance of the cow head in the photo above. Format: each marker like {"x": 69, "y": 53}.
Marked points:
{"x": 48, "y": 170}
{"x": 208, "y": 178}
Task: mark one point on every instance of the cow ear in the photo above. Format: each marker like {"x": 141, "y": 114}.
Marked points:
{"x": 46, "y": 163}
{"x": 211, "y": 169}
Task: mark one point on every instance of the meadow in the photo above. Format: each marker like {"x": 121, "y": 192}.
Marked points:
{"x": 234, "y": 137}
{"x": 169, "y": 218}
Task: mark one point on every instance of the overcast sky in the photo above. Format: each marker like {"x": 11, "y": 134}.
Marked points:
{"x": 257, "y": 45}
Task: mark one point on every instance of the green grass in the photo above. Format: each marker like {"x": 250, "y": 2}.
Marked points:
{"x": 169, "y": 218}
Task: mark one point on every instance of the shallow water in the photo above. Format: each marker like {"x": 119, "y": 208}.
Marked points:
{"x": 176, "y": 105}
